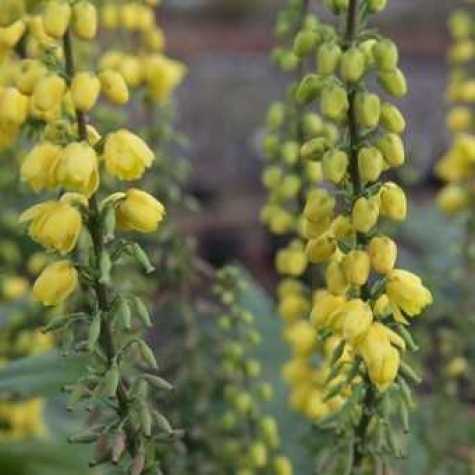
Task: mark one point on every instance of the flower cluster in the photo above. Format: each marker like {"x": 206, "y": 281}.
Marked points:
{"x": 358, "y": 323}
{"x": 456, "y": 166}
{"x": 249, "y": 439}
{"x": 48, "y": 99}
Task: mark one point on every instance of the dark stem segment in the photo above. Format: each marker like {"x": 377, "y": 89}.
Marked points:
{"x": 94, "y": 224}
{"x": 361, "y": 430}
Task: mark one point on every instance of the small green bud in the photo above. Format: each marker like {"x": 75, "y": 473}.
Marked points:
{"x": 145, "y": 419}
{"x": 269, "y": 431}
{"x": 337, "y": 6}
{"x": 328, "y": 58}
{"x": 304, "y": 43}
{"x": 162, "y": 422}
{"x": 370, "y": 164}
{"x": 386, "y": 55}
{"x": 334, "y": 102}
{"x": 123, "y": 313}
{"x": 365, "y": 214}
{"x": 276, "y": 115}
{"x": 224, "y": 323}
{"x": 229, "y": 421}
{"x": 290, "y": 152}
{"x": 270, "y": 145}
{"x": 157, "y": 382}
{"x": 265, "y": 391}
{"x": 142, "y": 312}
{"x": 105, "y": 266}
{"x": 367, "y": 110}
{"x": 366, "y": 48}
{"x": 375, "y": 6}
{"x": 258, "y": 455}
{"x": 352, "y": 65}
{"x": 109, "y": 223}
{"x": 56, "y": 323}
{"x": 138, "y": 464}
{"x": 243, "y": 402}
{"x": 142, "y": 258}
{"x": 314, "y": 149}
{"x": 111, "y": 381}
{"x": 85, "y": 437}
{"x": 392, "y": 119}
{"x": 312, "y": 124}
{"x": 309, "y": 88}
{"x": 335, "y": 165}
{"x": 288, "y": 61}
{"x": 94, "y": 331}
{"x": 252, "y": 368}
{"x": 393, "y": 82}
{"x": 118, "y": 447}
{"x": 392, "y": 148}
{"x": 147, "y": 354}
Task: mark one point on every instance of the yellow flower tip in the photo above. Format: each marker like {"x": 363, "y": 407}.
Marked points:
{"x": 85, "y": 88}
{"x": 14, "y": 287}
{"x": 78, "y": 168}
{"x": 54, "y": 224}
{"x": 126, "y": 155}
{"x": 406, "y": 290}
{"x": 114, "y": 87}
{"x": 56, "y": 17}
{"x": 11, "y": 35}
{"x": 85, "y": 20}
{"x": 39, "y": 166}
{"x": 139, "y": 211}
{"x": 383, "y": 254}
{"x": 56, "y": 283}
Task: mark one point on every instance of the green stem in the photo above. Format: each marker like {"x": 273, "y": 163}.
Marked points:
{"x": 95, "y": 228}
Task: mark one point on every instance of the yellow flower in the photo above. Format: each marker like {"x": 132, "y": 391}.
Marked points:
{"x": 132, "y": 70}
{"x": 29, "y": 73}
{"x": 383, "y": 254}
{"x": 302, "y": 336}
{"x": 54, "y": 224}
{"x": 406, "y": 290}
{"x": 85, "y": 90}
{"x": 56, "y": 18}
{"x": 383, "y": 371}
{"x": 56, "y": 283}
{"x": 356, "y": 317}
{"x": 10, "y": 35}
{"x": 335, "y": 278}
{"x": 163, "y": 76}
{"x": 321, "y": 249}
{"x": 84, "y": 20}
{"x": 48, "y": 93}
{"x": 393, "y": 202}
{"x": 453, "y": 199}
{"x": 325, "y": 308}
{"x": 139, "y": 211}
{"x": 78, "y": 168}
{"x": 14, "y": 287}
{"x": 293, "y": 307}
{"x": 356, "y": 266}
{"x": 13, "y": 107}
{"x": 39, "y": 167}
{"x": 365, "y": 214}
{"x": 114, "y": 87}
{"x": 126, "y": 155}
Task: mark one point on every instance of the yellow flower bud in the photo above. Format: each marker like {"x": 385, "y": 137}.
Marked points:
{"x": 139, "y": 211}
{"x": 114, "y": 87}
{"x": 328, "y": 58}
{"x": 304, "y": 43}
{"x": 155, "y": 39}
{"x": 393, "y": 82}
{"x": 29, "y": 74}
{"x": 291, "y": 261}
{"x": 453, "y": 199}
{"x": 13, "y": 107}
{"x": 314, "y": 148}
{"x": 335, "y": 278}
{"x": 456, "y": 367}
{"x": 376, "y": 6}
{"x": 54, "y": 224}
{"x": 383, "y": 254}
{"x": 85, "y": 89}
{"x": 393, "y": 202}
{"x": 320, "y": 204}
{"x": 131, "y": 69}
{"x": 334, "y": 165}
{"x": 460, "y": 24}
{"x": 78, "y": 168}
{"x": 406, "y": 290}
{"x": 126, "y": 155}
{"x": 356, "y": 266}
{"x": 459, "y": 119}
{"x": 325, "y": 307}
{"x": 272, "y": 177}
{"x": 321, "y": 249}
{"x": 282, "y": 466}
{"x": 314, "y": 172}
{"x": 341, "y": 227}
{"x": 11, "y": 35}
{"x": 352, "y": 65}
{"x": 382, "y": 372}
{"x": 370, "y": 164}
{"x": 386, "y": 55}
{"x": 356, "y": 317}
{"x": 129, "y": 16}
{"x": 392, "y": 148}
{"x": 39, "y": 167}
{"x": 294, "y": 307}
{"x": 302, "y": 336}
{"x": 392, "y": 119}
{"x": 14, "y": 287}
{"x": 48, "y": 93}
{"x": 56, "y": 18}
{"x": 163, "y": 76}
{"x": 258, "y": 455}
{"x": 314, "y": 229}
{"x": 84, "y": 20}
{"x": 56, "y": 283}
{"x": 334, "y": 102}
{"x": 367, "y": 110}
{"x": 109, "y": 15}
{"x": 365, "y": 214}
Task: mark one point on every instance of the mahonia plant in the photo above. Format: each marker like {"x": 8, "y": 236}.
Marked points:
{"x": 249, "y": 439}
{"x": 348, "y": 371}
{"x": 50, "y": 100}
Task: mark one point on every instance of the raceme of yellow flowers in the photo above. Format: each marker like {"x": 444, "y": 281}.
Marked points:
{"x": 456, "y": 166}
{"x": 46, "y": 98}
{"x": 249, "y": 439}
{"x": 359, "y": 321}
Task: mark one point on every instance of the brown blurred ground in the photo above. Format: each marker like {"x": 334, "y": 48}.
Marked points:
{"x": 231, "y": 83}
